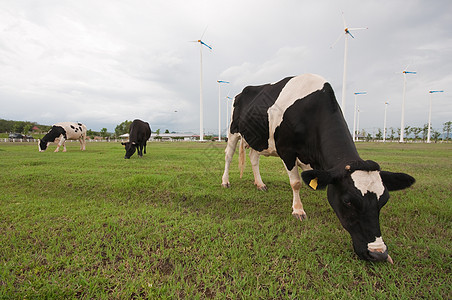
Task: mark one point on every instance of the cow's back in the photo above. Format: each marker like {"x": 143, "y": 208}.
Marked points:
{"x": 73, "y": 130}
{"x": 250, "y": 117}
{"x": 140, "y": 132}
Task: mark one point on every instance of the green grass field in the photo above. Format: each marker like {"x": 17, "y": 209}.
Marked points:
{"x": 93, "y": 225}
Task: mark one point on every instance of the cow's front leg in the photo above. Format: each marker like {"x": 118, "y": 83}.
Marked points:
{"x": 295, "y": 182}
{"x": 60, "y": 142}
{"x": 82, "y": 144}
{"x": 229, "y": 153}
{"x": 64, "y": 146}
{"x": 254, "y": 158}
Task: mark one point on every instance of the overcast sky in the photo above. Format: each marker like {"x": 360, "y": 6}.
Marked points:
{"x": 101, "y": 62}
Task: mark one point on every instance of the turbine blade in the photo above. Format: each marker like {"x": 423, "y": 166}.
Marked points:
{"x": 358, "y": 28}
{"x": 343, "y": 19}
{"x": 204, "y": 32}
{"x": 348, "y": 32}
{"x": 337, "y": 40}
{"x": 205, "y": 44}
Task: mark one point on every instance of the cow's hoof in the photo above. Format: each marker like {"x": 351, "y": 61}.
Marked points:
{"x": 55, "y": 151}
{"x": 226, "y": 185}
{"x": 262, "y": 188}
{"x": 301, "y": 215}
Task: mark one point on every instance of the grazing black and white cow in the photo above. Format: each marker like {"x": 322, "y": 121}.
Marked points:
{"x": 64, "y": 131}
{"x": 299, "y": 120}
{"x": 140, "y": 132}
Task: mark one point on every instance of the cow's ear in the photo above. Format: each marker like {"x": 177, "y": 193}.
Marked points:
{"x": 316, "y": 179}
{"x": 396, "y": 181}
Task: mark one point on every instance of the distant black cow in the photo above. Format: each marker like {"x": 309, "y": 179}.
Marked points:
{"x": 140, "y": 132}
{"x": 64, "y": 131}
{"x": 299, "y": 120}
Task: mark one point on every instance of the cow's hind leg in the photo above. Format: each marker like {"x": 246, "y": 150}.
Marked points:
{"x": 229, "y": 153}
{"x": 254, "y": 158}
{"x": 295, "y": 182}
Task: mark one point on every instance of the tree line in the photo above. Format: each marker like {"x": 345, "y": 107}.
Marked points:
{"x": 21, "y": 126}
{"x": 410, "y": 133}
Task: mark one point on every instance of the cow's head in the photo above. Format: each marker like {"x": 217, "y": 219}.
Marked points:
{"x": 130, "y": 149}
{"x": 42, "y": 145}
{"x": 357, "y": 192}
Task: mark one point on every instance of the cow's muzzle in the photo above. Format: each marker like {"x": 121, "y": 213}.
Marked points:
{"x": 380, "y": 256}
{"x": 378, "y": 251}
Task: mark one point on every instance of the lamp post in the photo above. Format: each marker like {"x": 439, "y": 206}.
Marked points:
{"x": 384, "y": 123}
{"x": 430, "y": 114}
{"x": 402, "y": 122}
{"x": 354, "y": 114}
{"x": 219, "y": 107}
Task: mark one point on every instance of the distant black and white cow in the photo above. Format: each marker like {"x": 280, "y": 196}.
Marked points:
{"x": 64, "y": 131}
{"x": 140, "y": 132}
{"x": 299, "y": 120}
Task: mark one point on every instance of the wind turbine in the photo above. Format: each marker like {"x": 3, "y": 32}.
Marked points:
{"x": 384, "y": 123}
{"x": 430, "y": 114}
{"x": 219, "y": 106}
{"x": 354, "y": 114}
{"x": 344, "y": 77}
{"x": 402, "y": 122}
{"x": 201, "y": 111}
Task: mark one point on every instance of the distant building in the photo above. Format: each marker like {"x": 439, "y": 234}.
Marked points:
{"x": 173, "y": 137}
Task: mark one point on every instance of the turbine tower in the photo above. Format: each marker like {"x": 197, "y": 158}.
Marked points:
{"x": 227, "y": 114}
{"x": 201, "y": 111}
{"x": 219, "y": 106}
{"x": 354, "y": 114}
{"x": 344, "y": 77}
{"x": 430, "y": 114}
{"x": 402, "y": 122}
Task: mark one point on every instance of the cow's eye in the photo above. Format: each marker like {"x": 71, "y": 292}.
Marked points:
{"x": 347, "y": 202}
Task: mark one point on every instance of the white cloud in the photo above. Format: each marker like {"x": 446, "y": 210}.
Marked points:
{"x": 102, "y": 62}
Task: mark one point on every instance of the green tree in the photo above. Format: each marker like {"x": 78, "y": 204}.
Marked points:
{"x": 27, "y": 128}
{"x": 123, "y": 128}
{"x": 416, "y": 131}
{"x": 379, "y": 135}
{"x": 167, "y": 131}
{"x": 435, "y": 135}
{"x": 103, "y": 132}
{"x": 157, "y": 132}
{"x": 407, "y": 131}
{"x": 446, "y": 129}
{"x": 391, "y": 137}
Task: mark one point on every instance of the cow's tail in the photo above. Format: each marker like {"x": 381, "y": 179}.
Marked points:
{"x": 242, "y": 153}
